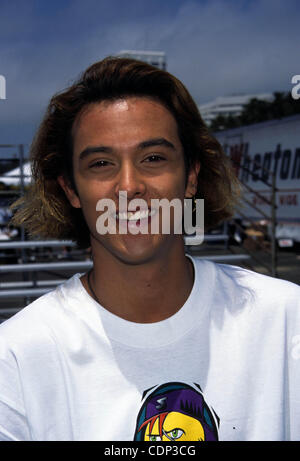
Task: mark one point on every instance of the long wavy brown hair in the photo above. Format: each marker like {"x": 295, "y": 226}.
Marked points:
{"x": 44, "y": 210}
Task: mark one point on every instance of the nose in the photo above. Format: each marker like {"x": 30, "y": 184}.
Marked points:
{"x": 130, "y": 180}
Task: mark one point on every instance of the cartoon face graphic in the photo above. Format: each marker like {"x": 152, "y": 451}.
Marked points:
{"x": 176, "y": 412}
{"x": 174, "y": 426}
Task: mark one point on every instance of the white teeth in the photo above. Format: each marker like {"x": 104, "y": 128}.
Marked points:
{"x": 135, "y": 216}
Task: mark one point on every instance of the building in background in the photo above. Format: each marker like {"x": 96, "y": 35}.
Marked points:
{"x": 266, "y": 159}
{"x": 229, "y": 105}
{"x": 155, "y": 58}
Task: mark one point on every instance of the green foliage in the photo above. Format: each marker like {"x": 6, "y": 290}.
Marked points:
{"x": 283, "y": 105}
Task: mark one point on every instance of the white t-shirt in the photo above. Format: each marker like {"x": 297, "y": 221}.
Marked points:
{"x": 226, "y": 366}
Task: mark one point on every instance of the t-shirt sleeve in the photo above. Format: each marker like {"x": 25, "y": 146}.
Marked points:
{"x": 292, "y": 409}
{"x": 13, "y": 422}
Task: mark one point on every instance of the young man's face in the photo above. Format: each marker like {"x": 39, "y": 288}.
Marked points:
{"x": 139, "y": 152}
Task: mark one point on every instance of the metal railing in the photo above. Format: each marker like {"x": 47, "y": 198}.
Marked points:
{"x": 271, "y": 217}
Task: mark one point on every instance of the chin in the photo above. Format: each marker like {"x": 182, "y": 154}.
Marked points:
{"x": 135, "y": 250}
{"x": 137, "y": 254}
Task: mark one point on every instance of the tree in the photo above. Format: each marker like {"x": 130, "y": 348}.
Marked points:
{"x": 257, "y": 110}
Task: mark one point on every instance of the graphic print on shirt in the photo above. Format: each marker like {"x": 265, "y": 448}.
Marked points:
{"x": 176, "y": 412}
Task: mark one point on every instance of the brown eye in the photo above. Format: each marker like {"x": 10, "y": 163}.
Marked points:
{"x": 99, "y": 164}
{"x": 154, "y": 158}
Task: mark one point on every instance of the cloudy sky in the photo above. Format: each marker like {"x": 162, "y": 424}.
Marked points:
{"x": 216, "y": 47}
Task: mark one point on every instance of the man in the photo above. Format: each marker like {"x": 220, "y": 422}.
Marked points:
{"x": 150, "y": 344}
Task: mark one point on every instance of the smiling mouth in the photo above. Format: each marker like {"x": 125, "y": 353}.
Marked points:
{"x": 134, "y": 216}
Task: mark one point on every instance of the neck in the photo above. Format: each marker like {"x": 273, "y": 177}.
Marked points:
{"x": 145, "y": 293}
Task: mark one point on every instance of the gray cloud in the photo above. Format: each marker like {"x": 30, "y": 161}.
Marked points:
{"x": 215, "y": 48}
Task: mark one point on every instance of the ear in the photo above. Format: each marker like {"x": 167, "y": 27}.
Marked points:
{"x": 192, "y": 182}
{"x": 69, "y": 191}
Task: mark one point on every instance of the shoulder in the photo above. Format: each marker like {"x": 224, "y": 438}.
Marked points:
{"x": 38, "y": 318}
{"x": 264, "y": 286}
{"x": 236, "y": 286}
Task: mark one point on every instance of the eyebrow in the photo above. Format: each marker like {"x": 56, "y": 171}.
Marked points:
{"x": 142, "y": 145}
{"x": 156, "y": 142}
